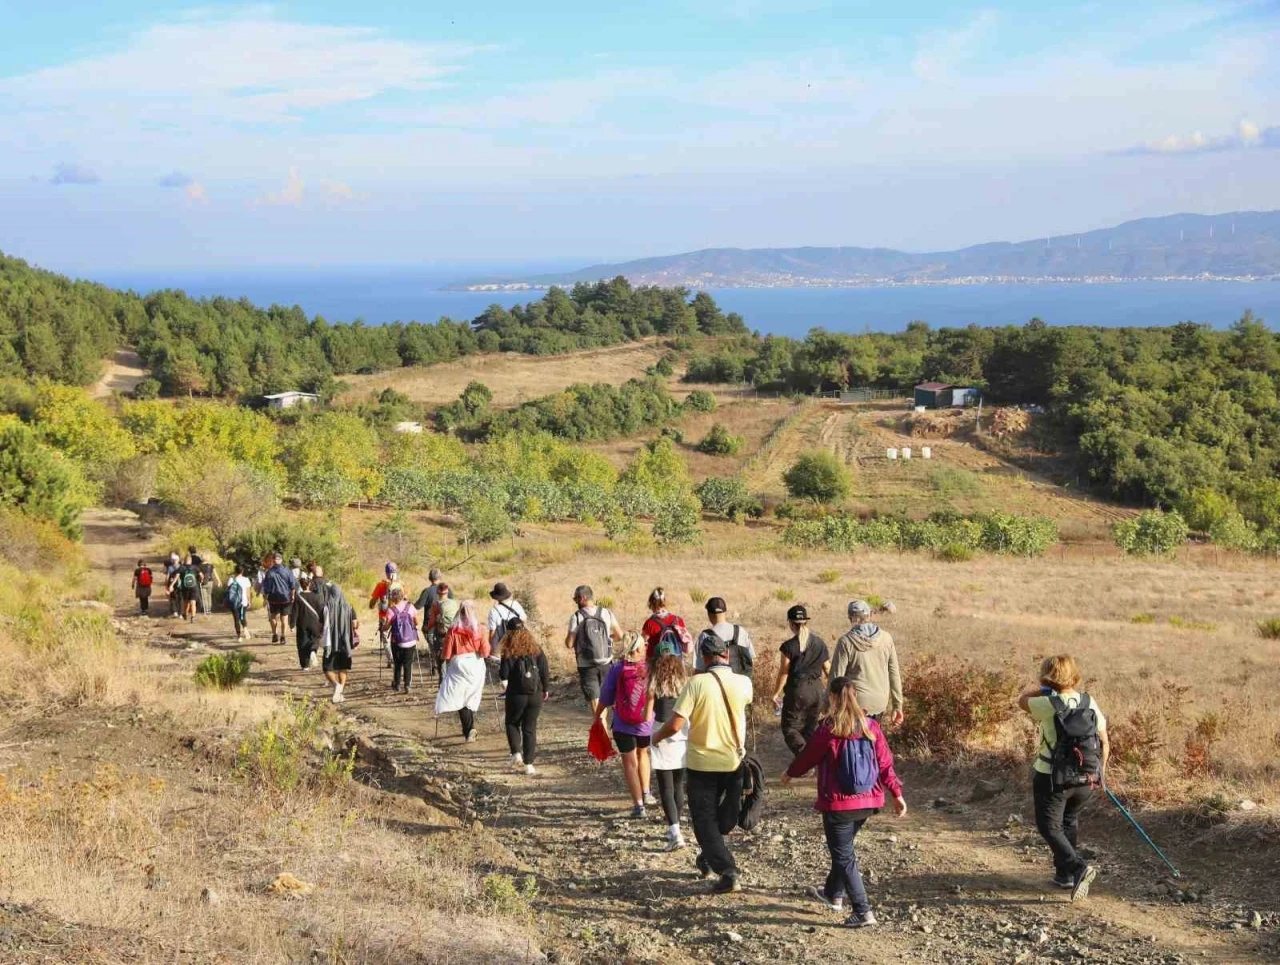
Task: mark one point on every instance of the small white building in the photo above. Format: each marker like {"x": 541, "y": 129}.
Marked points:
{"x": 411, "y": 427}
{"x": 287, "y": 400}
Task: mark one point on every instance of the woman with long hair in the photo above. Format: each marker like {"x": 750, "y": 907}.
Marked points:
{"x": 668, "y": 758}
{"x": 855, "y": 768}
{"x": 526, "y": 678}
{"x": 798, "y": 691}
{"x": 625, "y": 690}
{"x": 465, "y": 649}
{"x": 661, "y": 625}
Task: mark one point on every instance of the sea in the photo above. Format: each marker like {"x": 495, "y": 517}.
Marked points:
{"x": 380, "y": 296}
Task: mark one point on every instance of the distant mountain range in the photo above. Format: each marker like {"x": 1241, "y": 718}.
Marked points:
{"x": 1244, "y": 245}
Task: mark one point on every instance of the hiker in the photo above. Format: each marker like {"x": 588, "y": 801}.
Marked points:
{"x": 465, "y": 650}
{"x": 592, "y": 632}
{"x": 742, "y": 652}
{"x": 306, "y": 618}
{"x": 279, "y": 588}
{"x": 403, "y": 619}
{"x": 185, "y": 584}
{"x": 714, "y": 705}
{"x": 626, "y": 691}
{"x": 209, "y": 581}
{"x": 239, "y": 591}
{"x": 340, "y": 631}
{"x": 798, "y": 691}
{"x": 855, "y": 768}
{"x": 142, "y": 586}
{"x": 661, "y": 625}
{"x": 526, "y": 679}
{"x": 867, "y": 656}
{"x": 427, "y": 598}
{"x": 1071, "y": 760}
{"x": 175, "y": 597}
{"x": 195, "y": 558}
{"x": 504, "y": 609}
{"x": 668, "y": 759}
{"x": 295, "y": 567}
{"x": 443, "y": 614}
{"x": 379, "y": 600}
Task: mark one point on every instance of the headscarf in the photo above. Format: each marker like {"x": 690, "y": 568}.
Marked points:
{"x": 468, "y": 621}
{"x": 338, "y": 616}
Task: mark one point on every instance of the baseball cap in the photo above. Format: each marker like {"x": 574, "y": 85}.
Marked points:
{"x": 711, "y": 645}
{"x": 716, "y": 605}
{"x": 859, "y": 608}
{"x": 295, "y": 562}
{"x": 392, "y": 569}
{"x": 798, "y": 614}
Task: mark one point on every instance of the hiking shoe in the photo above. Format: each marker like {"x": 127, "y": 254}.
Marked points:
{"x": 338, "y": 698}
{"x": 529, "y": 770}
{"x": 517, "y": 759}
{"x": 471, "y": 736}
{"x": 704, "y": 869}
{"x": 727, "y": 885}
{"x": 275, "y": 637}
{"x": 1063, "y": 881}
{"x": 675, "y": 840}
{"x": 638, "y": 811}
{"x": 866, "y": 919}
{"x": 649, "y": 799}
{"x": 820, "y": 895}
{"x": 1080, "y": 884}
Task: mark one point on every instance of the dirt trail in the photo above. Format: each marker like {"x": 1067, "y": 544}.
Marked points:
{"x": 955, "y": 881}
{"x": 122, "y": 374}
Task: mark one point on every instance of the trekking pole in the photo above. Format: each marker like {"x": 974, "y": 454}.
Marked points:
{"x": 1138, "y": 827}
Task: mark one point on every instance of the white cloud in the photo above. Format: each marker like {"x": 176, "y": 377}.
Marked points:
{"x": 195, "y": 194}
{"x": 939, "y": 54}
{"x": 1247, "y": 135}
{"x": 290, "y": 196}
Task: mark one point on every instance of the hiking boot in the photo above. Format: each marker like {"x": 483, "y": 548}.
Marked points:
{"x": 675, "y": 840}
{"x": 727, "y": 885}
{"x": 275, "y": 637}
{"x": 704, "y": 869}
{"x": 866, "y": 919}
{"x": 638, "y": 811}
{"x": 1080, "y": 884}
{"x": 820, "y": 895}
{"x": 1062, "y": 880}
{"x": 529, "y": 771}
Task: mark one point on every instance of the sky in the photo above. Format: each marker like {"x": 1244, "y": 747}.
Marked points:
{"x": 136, "y": 134}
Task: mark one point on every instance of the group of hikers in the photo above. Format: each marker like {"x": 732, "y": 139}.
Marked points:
{"x": 679, "y": 705}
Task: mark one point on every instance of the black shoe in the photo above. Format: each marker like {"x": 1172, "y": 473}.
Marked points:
{"x": 727, "y": 885}
{"x": 1080, "y": 884}
{"x": 704, "y": 869}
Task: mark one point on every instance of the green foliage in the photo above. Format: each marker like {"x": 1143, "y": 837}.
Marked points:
{"x": 147, "y": 389}
{"x": 819, "y": 476}
{"x": 309, "y": 539}
{"x": 1142, "y": 618}
{"x": 828, "y": 576}
{"x": 784, "y": 595}
{"x": 484, "y": 521}
{"x": 38, "y": 481}
{"x": 1152, "y": 533}
{"x": 1205, "y": 508}
{"x": 284, "y": 753}
{"x": 82, "y": 428}
{"x": 996, "y": 533}
{"x": 332, "y": 459}
{"x": 954, "y": 553}
{"x": 658, "y": 468}
{"x": 1269, "y": 629}
{"x": 222, "y": 671}
{"x": 213, "y": 491}
{"x": 728, "y": 496}
{"x": 508, "y": 898}
{"x": 700, "y": 400}
{"x": 718, "y": 442}
{"x": 677, "y": 521}
{"x": 948, "y": 481}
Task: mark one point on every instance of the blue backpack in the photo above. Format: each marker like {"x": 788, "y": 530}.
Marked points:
{"x": 235, "y": 594}
{"x": 857, "y": 770}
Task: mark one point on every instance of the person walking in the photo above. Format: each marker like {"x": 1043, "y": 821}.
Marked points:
{"x": 742, "y": 652}
{"x": 465, "y": 650}
{"x": 866, "y": 655}
{"x": 380, "y": 600}
{"x": 239, "y": 591}
{"x": 661, "y": 625}
{"x": 526, "y": 679}
{"x": 1071, "y": 760}
{"x": 798, "y": 690}
{"x": 279, "y": 588}
{"x": 855, "y": 768}
{"x": 185, "y": 584}
{"x": 714, "y": 705}
{"x": 431, "y": 592}
{"x": 403, "y": 619}
{"x": 340, "y": 631}
{"x": 441, "y": 618}
{"x": 505, "y": 609}
{"x": 626, "y": 691}
{"x": 592, "y": 632}
{"x": 668, "y": 759}
{"x": 142, "y": 579}
{"x": 170, "y": 585}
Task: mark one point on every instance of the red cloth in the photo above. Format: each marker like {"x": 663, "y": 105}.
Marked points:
{"x": 598, "y": 742}
{"x": 823, "y": 752}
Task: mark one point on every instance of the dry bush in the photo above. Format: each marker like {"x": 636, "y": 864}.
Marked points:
{"x": 954, "y": 706}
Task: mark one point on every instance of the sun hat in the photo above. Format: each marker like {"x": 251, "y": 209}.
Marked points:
{"x": 500, "y": 592}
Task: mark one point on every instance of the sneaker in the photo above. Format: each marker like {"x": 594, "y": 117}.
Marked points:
{"x": 517, "y": 759}
{"x": 649, "y": 799}
{"x": 638, "y": 811}
{"x": 1063, "y": 881}
{"x": 675, "y": 840}
{"x": 529, "y": 771}
{"x": 727, "y": 885}
{"x": 471, "y": 736}
{"x": 866, "y": 919}
{"x": 820, "y": 895}
{"x": 1080, "y": 884}
{"x": 704, "y": 869}
{"x": 338, "y": 698}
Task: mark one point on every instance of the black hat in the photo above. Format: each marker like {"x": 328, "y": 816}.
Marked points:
{"x": 716, "y": 605}
{"x": 500, "y": 592}
{"x": 712, "y": 646}
{"x": 798, "y": 614}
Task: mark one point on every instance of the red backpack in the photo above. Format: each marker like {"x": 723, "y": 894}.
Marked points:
{"x": 144, "y": 576}
{"x": 633, "y": 693}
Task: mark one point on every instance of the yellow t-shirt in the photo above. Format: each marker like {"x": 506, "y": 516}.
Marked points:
{"x": 1041, "y": 710}
{"x": 711, "y": 743}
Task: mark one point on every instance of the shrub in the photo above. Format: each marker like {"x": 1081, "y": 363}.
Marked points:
{"x": 310, "y": 540}
{"x": 828, "y": 576}
{"x": 1142, "y": 618}
{"x": 508, "y": 898}
{"x": 224, "y": 670}
{"x": 1137, "y": 740}
{"x": 278, "y": 754}
{"x": 700, "y": 400}
{"x": 484, "y": 521}
{"x": 1269, "y": 629}
{"x": 697, "y": 595}
{"x": 38, "y": 481}
{"x": 658, "y": 468}
{"x": 37, "y": 544}
{"x": 147, "y": 389}
{"x": 719, "y": 442}
{"x": 1151, "y": 533}
{"x": 677, "y": 521}
{"x": 1018, "y": 535}
{"x": 953, "y": 706}
{"x": 952, "y": 481}
{"x": 819, "y": 476}
{"x": 784, "y": 595}
{"x": 954, "y": 553}
{"x": 727, "y": 496}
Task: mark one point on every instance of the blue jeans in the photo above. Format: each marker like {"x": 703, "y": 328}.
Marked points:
{"x": 841, "y": 827}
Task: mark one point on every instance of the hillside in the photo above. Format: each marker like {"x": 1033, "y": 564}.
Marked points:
{"x": 1241, "y": 244}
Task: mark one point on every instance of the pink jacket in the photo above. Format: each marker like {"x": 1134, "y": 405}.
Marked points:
{"x": 823, "y": 751}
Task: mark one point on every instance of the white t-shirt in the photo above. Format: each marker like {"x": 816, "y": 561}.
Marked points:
{"x": 500, "y": 613}
{"x": 725, "y": 632}
{"x": 604, "y": 613}
{"x": 245, "y": 589}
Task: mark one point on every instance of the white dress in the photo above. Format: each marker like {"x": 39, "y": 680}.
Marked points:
{"x": 462, "y": 684}
{"x": 670, "y": 755}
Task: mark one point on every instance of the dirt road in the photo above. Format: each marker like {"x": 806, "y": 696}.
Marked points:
{"x": 955, "y": 881}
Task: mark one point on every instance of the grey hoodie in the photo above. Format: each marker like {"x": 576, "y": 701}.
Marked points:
{"x": 867, "y": 656}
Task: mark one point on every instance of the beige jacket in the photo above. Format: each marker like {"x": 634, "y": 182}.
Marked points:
{"x": 866, "y": 654}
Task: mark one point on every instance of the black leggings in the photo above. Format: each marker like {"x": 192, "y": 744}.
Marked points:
{"x": 403, "y": 657}
{"x": 522, "y": 724}
{"x": 468, "y": 718}
{"x": 671, "y": 790}
{"x": 801, "y": 708}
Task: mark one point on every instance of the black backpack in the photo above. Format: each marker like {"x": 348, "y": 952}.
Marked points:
{"x": 740, "y": 659}
{"x": 1076, "y": 758}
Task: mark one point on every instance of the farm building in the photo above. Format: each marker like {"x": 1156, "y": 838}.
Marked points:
{"x": 942, "y": 395}
{"x": 287, "y": 400}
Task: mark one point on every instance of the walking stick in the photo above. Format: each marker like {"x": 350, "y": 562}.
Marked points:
{"x": 1138, "y": 827}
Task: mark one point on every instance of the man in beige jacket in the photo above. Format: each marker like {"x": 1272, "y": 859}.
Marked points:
{"x": 866, "y": 655}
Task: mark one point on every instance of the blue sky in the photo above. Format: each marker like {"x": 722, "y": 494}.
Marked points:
{"x": 139, "y": 135}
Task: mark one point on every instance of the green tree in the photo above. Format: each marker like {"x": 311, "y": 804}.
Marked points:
{"x": 819, "y": 476}
{"x": 333, "y": 458}
{"x": 719, "y": 442}
{"x": 37, "y": 480}
{"x": 659, "y": 469}
{"x": 677, "y": 521}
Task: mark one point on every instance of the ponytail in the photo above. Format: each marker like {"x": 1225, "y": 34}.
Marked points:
{"x": 658, "y": 598}
{"x": 845, "y": 716}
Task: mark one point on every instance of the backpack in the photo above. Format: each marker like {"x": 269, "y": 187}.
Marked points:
{"x": 633, "y": 693}
{"x": 591, "y": 639}
{"x": 275, "y": 585}
{"x": 857, "y": 770}
{"x": 235, "y": 594}
{"x": 448, "y": 615}
{"x": 500, "y": 630}
{"x": 144, "y": 576}
{"x": 524, "y": 678}
{"x": 740, "y": 659}
{"x": 403, "y": 629}
{"x": 670, "y": 634}
{"x": 1076, "y": 759}
{"x": 188, "y": 579}
{"x": 751, "y": 771}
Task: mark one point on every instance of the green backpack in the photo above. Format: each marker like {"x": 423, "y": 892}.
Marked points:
{"x": 448, "y": 614}
{"x": 189, "y": 581}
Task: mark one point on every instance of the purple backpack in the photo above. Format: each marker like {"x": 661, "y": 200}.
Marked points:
{"x": 403, "y": 629}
